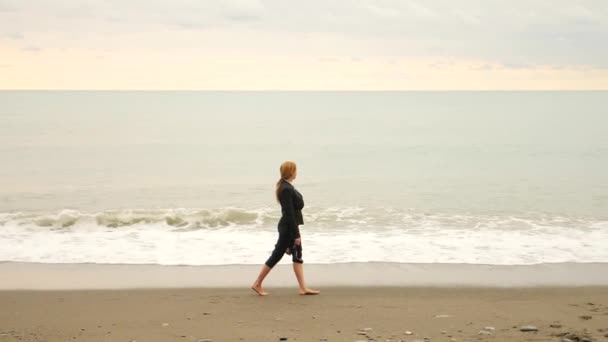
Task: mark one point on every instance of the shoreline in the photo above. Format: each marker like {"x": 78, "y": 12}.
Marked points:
{"x": 40, "y": 276}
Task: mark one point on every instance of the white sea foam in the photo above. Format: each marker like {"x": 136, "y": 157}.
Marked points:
{"x": 331, "y": 235}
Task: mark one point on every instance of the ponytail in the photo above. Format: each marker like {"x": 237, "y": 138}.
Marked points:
{"x": 287, "y": 170}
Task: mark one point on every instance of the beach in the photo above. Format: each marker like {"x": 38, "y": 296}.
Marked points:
{"x": 338, "y": 314}
{"x": 439, "y": 168}
{"x": 42, "y": 302}
{"x": 454, "y": 216}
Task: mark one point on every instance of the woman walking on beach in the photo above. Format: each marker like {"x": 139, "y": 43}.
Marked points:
{"x": 289, "y": 234}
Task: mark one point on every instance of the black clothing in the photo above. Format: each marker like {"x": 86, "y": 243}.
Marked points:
{"x": 291, "y": 209}
{"x": 281, "y": 246}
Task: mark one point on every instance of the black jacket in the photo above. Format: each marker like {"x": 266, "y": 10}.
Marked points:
{"x": 291, "y": 208}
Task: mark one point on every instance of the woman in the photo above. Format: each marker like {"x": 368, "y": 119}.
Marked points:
{"x": 289, "y": 234}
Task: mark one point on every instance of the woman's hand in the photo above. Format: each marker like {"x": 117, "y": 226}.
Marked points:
{"x": 298, "y": 241}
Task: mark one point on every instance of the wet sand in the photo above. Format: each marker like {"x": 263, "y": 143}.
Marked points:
{"x": 37, "y": 276}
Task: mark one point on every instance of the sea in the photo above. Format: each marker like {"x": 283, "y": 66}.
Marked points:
{"x": 188, "y": 177}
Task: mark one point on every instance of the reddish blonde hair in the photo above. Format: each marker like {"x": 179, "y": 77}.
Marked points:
{"x": 287, "y": 169}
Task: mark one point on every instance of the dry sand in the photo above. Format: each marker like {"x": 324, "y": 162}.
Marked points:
{"x": 442, "y": 302}
{"x": 338, "y": 314}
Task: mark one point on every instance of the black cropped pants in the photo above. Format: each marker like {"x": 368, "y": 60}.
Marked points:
{"x": 286, "y": 240}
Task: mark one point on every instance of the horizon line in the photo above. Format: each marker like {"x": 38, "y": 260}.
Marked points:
{"x": 302, "y": 90}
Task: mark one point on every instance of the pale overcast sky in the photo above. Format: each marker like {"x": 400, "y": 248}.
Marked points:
{"x": 311, "y": 44}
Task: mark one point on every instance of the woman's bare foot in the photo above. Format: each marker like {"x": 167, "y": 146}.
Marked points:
{"x": 258, "y": 289}
{"x": 308, "y": 291}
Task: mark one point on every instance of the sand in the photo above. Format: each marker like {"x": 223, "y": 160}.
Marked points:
{"x": 338, "y": 314}
{"x": 440, "y": 311}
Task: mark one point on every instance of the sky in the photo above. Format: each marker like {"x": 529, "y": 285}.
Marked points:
{"x": 304, "y": 45}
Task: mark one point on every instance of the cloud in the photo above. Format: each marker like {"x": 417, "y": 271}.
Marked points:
{"x": 31, "y": 49}
{"x": 7, "y": 6}
{"x": 329, "y": 60}
{"x": 15, "y": 35}
{"x": 243, "y": 10}
{"x": 560, "y": 32}
{"x": 484, "y": 35}
{"x": 517, "y": 66}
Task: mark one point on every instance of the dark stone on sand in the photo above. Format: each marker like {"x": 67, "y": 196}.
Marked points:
{"x": 555, "y": 325}
{"x": 572, "y": 337}
{"x": 585, "y": 317}
{"x": 283, "y": 339}
{"x": 526, "y": 328}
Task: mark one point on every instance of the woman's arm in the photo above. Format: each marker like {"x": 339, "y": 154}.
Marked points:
{"x": 286, "y": 200}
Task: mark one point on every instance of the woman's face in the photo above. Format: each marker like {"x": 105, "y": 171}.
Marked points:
{"x": 295, "y": 173}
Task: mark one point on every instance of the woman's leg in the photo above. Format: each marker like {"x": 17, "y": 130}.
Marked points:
{"x": 279, "y": 249}
{"x": 257, "y": 285}
{"x": 298, "y": 269}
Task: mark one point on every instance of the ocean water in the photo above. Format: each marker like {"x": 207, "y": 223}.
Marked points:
{"x": 187, "y": 178}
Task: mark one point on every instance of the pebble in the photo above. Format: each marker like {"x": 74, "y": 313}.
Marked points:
{"x": 408, "y": 332}
{"x": 586, "y": 317}
{"x": 442, "y": 316}
{"x": 283, "y": 339}
{"x": 528, "y": 328}
{"x": 165, "y": 324}
{"x": 484, "y": 332}
{"x": 555, "y": 325}
{"x": 570, "y": 337}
